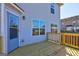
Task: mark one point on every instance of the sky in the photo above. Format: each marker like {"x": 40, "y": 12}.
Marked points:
{"x": 69, "y": 10}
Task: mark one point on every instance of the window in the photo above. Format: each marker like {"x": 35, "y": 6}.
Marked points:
{"x": 35, "y": 27}
{"x": 42, "y": 28}
{"x": 54, "y": 28}
{"x": 38, "y": 27}
{"x": 52, "y": 9}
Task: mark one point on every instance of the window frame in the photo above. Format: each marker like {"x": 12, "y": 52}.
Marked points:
{"x": 38, "y": 26}
{"x": 34, "y": 27}
{"x": 54, "y": 27}
{"x": 52, "y": 9}
{"x": 41, "y": 27}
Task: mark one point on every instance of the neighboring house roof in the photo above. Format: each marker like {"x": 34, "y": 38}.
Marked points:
{"x": 70, "y": 18}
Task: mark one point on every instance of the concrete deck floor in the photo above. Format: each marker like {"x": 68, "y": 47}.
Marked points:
{"x": 45, "y": 49}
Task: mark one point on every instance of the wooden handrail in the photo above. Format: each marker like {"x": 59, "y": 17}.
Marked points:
{"x": 70, "y": 39}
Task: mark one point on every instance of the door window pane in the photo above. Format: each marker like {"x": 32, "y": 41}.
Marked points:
{"x": 13, "y": 25}
{"x": 13, "y": 33}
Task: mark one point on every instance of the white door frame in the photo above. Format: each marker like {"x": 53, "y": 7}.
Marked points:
{"x": 7, "y": 10}
{"x": 4, "y": 26}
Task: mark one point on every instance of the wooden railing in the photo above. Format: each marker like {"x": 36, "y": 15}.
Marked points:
{"x": 70, "y": 39}
{"x": 53, "y": 37}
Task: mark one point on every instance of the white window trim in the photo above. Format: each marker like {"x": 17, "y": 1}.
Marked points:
{"x": 35, "y": 27}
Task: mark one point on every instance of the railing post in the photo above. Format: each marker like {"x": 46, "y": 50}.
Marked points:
{"x": 62, "y": 39}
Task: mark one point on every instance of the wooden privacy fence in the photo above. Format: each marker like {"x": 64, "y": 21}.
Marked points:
{"x": 70, "y": 39}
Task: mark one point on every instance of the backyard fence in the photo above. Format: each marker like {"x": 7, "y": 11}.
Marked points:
{"x": 70, "y": 39}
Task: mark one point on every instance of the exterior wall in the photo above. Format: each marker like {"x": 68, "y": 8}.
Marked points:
{"x": 37, "y": 11}
{"x": 32, "y": 11}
